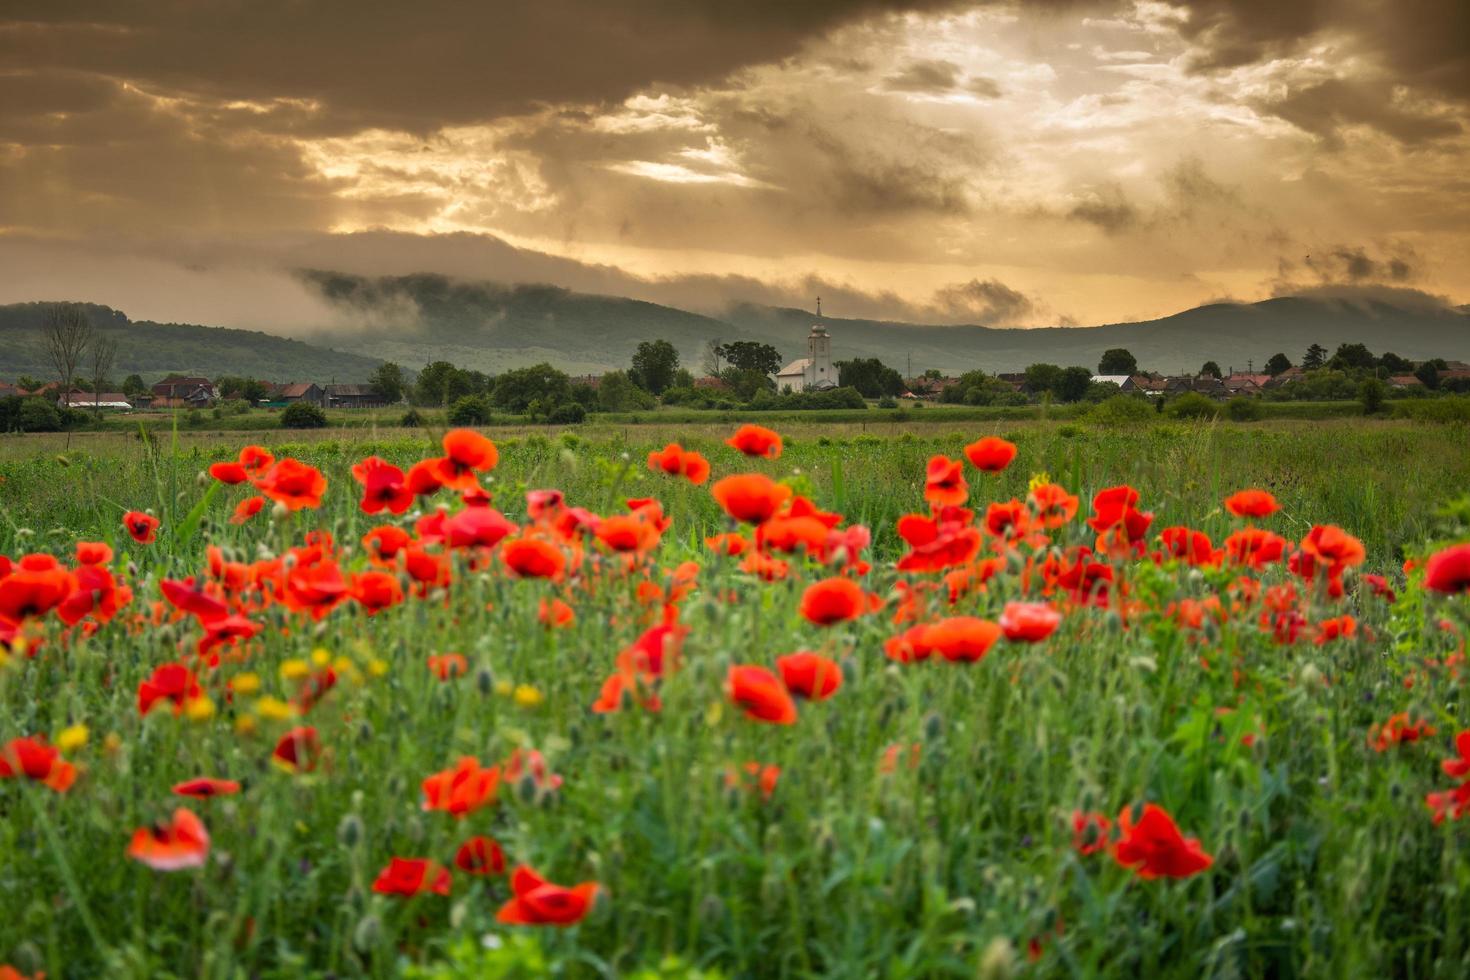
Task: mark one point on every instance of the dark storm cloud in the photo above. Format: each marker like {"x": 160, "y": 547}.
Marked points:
{"x": 1188, "y": 193}
{"x": 985, "y": 301}
{"x": 411, "y": 67}
{"x": 1107, "y": 208}
{"x": 1324, "y": 108}
{"x": 1354, "y": 264}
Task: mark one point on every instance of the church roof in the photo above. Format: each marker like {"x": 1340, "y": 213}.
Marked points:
{"x": 798, "y": 366}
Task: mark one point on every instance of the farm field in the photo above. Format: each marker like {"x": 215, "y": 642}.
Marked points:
{"x": 878, "y": 700}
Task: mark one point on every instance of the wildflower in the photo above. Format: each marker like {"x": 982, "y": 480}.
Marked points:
{"x": 990, "y": 454}
{"x": 383, "y": 486}
{"x": 229, "y": 472}
{"x": 292, "y": 484}
{"x": 173, "y": 682}
{"x": 1055, "y": 507}
{"x": 72, "y": 738}
{"x": 1252, "y": 503}
{"x": 755, "y": 440}
{"x": 675, "y": 460}
{"x": 37, "y": 761}
{"x": 255, "y": 458}
{"x": 536, "y": 902}
{"x": 533, "y": 558}
{"x": 298, "y": 750}
{"x": 750, "y": 497}
{"x": 466, "y": 453}
{"x": 463, "y": 789}
{"x": 480, "y": 855}
{"x": 962, "y": 638}
{"x": 247, "y": 509}
{"x": 1090, "y": 832}
{"x": 1254, "y": 547}
{"x": 1459, "y": 767}
{"x": 1154, "y": 846}
{"x": 384, "y": 543}
{"x": 529, "y": 762}
{"x": 1448, "y": 571}
{"x": 1398, "y": 730}
{"x": 810, "y": 675}
{"x": 730, "y": 544}
{"x": 910, "y": 646}
{"x": 1339, "y": 627}
{"x": 376, "y": 591}
{"x": 482, "y": 527}
{"x": 893, "y": 754}
{"x": 554, "y": 613}
{"x": 527, "y": 696}
{"x": 412, "y": 876}
{"x": 448, "y": 666}
{"x": 944, "y": 482}
{"x": 834, "y": 600}
{"x": 205, "y": 787}
{"x": 93, "y": 553}
{"x": 1029, "y": 622}
{"x": 181, "y": 843}
{"x": 761, "y": 695}
{"x": 143, "y": 527}
{"x": 753, "y": 775}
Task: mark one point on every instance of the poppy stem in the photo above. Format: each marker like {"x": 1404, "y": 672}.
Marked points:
{"x": 67, "y": 877}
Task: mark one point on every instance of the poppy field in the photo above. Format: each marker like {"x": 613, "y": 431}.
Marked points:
{"x": 731, "y": 702}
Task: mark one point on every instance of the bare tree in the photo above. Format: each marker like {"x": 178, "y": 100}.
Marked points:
{"x": 714, "y": 352}
{"x": 66, "y": 332}
{"x": 104, "y": 349}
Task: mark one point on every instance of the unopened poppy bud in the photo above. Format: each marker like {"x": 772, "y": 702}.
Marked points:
{"x": 365, "y": 731}
{"x": 1195, "y": 576}
{"x": 1310, "y": 677}
{"x": 485, "y": 682}
{"x": 1113, "y": 622}
{"x": 132, "y": 569}
{"x": 368, "y": 934}
{"x": 998, "y": 961}
{"x": 280, "y": 512}
{"x": 349, "y": 830}
{"x": 27, "y": 958}
{"x": 201, "y": 478}
{"x": 457, "y": 913}
{"x": 849, "y": 670}
{"x": 933, "y": 726}
{"x": 711, "y": 908}
{"x": 1015, "y": 562}
{"x": 1211, "y": 629}
{"x": 526, "y": 789}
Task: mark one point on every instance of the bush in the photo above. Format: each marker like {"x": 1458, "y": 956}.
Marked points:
{"x": 412, "y": 419}
{"x": 38, "y": 415}
{"x": 1120, "y": 409}
{"x": 1193, "y": 405}
{"x": 1244, "y": 408}
{"x": 303, "y": 415}
{"x": 470, "y": 410}
{"x": 568, "y": 414}
{"x": 235, "y": 406}
{"x": 1372, "y": 393}
{"x": 887, "y": 401}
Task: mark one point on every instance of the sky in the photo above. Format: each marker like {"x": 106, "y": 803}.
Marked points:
{"x": 1006, "y": 164}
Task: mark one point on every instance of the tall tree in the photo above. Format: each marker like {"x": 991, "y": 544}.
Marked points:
{"x": 713, "y": 358}
{"x": 870, "y": 376}
{"x": 1314, "y": 358}
{"x": 1210, "y": 368}
{"x": 104, "y": 350}
{"x": 654, "y": 364}
{"x": 1117, "y": 360}
{"x": 1395, "y": 364}
{"x": 1072, "y": 383}
{"x": 66, "y": 332}
{"x": 1352, "y": 356}
{"x": 750, "y": 355}
{"x": 1277, "y": 364}
{"x": 388, "y": 382}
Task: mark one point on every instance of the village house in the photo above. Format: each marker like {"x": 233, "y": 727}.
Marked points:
{"x": 298, "y": 391}
{"x": 178, "y": 391}
{"x": 352, "y": 396}
{"x": 112, "y": 400}
{"x": 1246, "y": 384}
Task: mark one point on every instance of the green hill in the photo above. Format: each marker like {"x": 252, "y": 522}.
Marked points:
{"x": 157, "y": 349}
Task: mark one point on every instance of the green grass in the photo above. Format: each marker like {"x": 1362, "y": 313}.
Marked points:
{"x": 1326, "y": 862}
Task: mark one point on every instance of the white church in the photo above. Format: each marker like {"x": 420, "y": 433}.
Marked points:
{"x": 815, "y": 371}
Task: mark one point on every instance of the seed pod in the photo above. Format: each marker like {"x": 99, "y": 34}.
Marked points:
{"x": 368, "y": 934}
{"x": 349, "y": 831}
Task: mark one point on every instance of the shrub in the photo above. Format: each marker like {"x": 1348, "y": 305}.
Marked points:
{"x": 303, "y": 415}
{"x": 1193, "y": 405}
{"x": 470, "y": 410}
{"x": 1120, "y": 409}
{"x": 1372, "y": 393}
{"x": 887, "y": 401}
{"x": 1244, "y": 408}
{"x": 38, "y": 415}
{"x": 568, "y": 414}
{"x": 235, "y": 406}
{"x": 412, "y": 419}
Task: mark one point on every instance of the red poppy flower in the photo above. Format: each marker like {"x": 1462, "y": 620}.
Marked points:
{"x": 37, "y": 761}
{"x": 447, "y": 666}
{"x": 293, "y": 484}
{"x": 477, "y": 527}
{"x": 423, "y": 478}
{"x": 1448, "y": 571}
{"x": 1055, "y": 507}
{"x": 728, "y": 544}
{"x": 1454, "y": 803}
{"x": 229, "y": 473}
{"x": 1090, "y": 832}
{"x": 1459, "y": 767}
{"x": 480, "y": 856}
{"x": 624, "y": 689}
{"x": 963, "y": 639}
{"x": 186, "y": 597}
{"x": 143, "y": 527}
{"x": 376, "y": 591}
{"x": 1194, "y": 547}
{"x": 944, "y": 482}
{"x": 533, "y": 558}
{"x": 204, "y": 787}
{"x": 991, "y": 454}
{"x": 1254, "y": 547}
{"x": 174, "y": 683}
{"x": 1029, "y": 622}
{"x": 33, "y": 592}
{"x": 750, "y": 497}
{"x": 910, "y": 646}
{"x": 383, "y": 487}
{"x": 555, "y": 613}
{"x": 628, "y": 533}
{"x": 755, "y": 440}
{"x": 761, "y": 695}
{"x": 1155, "y": 848}
{"x": 412, "y": 876}
{"x": 754, "y": 776}
{"x": 256, "y": 458}
{"x": 316, "y": 589}
{"x": 1339, "y": 627}
{"x": 677, "y": 461}
{"x": 1379, "y": 586}
{"x": 462, "y": 790}
{"x": 1399, "y": 730}
{"x": 298, "y": 750}
{"x": 181, "y": 843}
{"x": 536, "y": 902}
{"x": 936, "y": 543}
{"x": 383, "y": 544}
{"x": 247, "y": 509}
{"x": 93, "y": 553}
{"x": 835, "y": 600}
{"x": 1252, "y": 503}
{"x": 810, "y": 675}
{"x": 466, "y": 453}
{"x": 529, "y": 763}
{"x": 1334, "y": 548}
